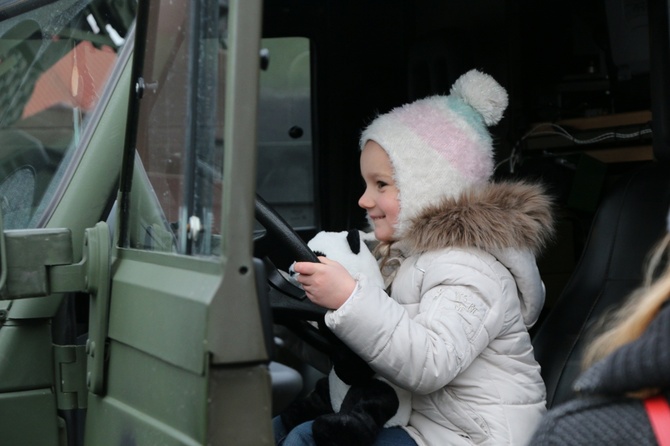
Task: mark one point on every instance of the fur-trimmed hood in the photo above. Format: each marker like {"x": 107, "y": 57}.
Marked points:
{"x": 498, "y": 216}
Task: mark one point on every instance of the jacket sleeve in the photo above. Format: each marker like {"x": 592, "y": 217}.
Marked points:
{"x": 461, "y": 310}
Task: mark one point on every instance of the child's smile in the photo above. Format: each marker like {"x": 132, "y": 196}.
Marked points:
{"x": 380, "y": 198}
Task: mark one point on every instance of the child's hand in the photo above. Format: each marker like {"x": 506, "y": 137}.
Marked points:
{"x": 327, "y": 284}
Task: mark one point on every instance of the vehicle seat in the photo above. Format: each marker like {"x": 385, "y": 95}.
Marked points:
{"x": 630, "y": 220}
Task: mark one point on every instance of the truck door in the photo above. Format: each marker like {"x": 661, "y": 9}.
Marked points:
{"x": 177, "y": 350}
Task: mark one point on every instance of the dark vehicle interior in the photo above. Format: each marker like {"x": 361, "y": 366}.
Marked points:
{"x": 587, "y": 117}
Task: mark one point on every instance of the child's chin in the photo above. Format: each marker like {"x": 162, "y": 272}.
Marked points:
{"x": 383, "y": 234}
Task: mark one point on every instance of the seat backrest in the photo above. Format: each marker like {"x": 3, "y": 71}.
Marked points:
{"x": 630, "y": 220}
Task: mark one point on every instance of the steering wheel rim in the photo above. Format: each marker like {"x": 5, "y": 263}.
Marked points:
{"x": 290, "y": 305}
{"x": 281, "y": 232}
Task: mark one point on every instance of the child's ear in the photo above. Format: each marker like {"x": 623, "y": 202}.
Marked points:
{"x": 354, "y": 240}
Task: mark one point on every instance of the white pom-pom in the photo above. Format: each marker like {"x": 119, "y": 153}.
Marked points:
{"x": 483, "y": 93}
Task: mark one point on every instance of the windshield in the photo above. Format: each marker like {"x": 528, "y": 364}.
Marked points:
{"x": 55, "y": 61}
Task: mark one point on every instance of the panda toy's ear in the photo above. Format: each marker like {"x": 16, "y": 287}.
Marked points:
{"x": 354, "y": 240}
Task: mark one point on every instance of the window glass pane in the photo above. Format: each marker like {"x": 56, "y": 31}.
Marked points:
{"x": 54, "y": 64}
{"x": 180, "y": 130}
{"x": 285, "y": 176}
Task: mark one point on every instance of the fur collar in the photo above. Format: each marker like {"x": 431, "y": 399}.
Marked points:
{"x": 497, "y": 216}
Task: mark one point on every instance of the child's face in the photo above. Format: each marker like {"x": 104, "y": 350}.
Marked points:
{"x": 380, "y": 198}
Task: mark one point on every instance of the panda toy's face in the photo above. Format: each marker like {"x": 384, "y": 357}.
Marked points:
{"x": 348, "y": 249}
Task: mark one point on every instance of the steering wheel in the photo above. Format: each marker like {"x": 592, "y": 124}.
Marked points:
{"x": 290, "y": 305}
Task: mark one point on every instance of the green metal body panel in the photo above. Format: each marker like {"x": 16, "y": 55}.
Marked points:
{"x": 26, "y": 385}
{"x": 161, "y": 309}
{"x": 240, "y": 406}
{"x": 149, "y": 401}
{"x": 29, "y": 347}
{"x": 40, "y": 428}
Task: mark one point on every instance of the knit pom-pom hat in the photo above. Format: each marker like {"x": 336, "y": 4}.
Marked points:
{"x": 439, "y": 146}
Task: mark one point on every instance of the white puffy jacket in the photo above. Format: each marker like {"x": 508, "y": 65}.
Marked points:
{"x": 454, "y": 330}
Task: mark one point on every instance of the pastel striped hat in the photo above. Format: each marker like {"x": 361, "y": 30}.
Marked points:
{"x": 440, "y": 146}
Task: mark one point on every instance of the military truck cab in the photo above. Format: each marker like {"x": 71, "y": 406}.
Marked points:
{"x": 162, "y": 163}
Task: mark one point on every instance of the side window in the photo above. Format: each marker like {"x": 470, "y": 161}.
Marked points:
{"x": 54, "y": 65}
{"x": 176, "y": 195}
{"x": 181, "y": 212}
{"x": 285, "y": 177}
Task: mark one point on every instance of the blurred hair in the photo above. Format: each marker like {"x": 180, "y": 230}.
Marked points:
{"x": 627, "y": 323}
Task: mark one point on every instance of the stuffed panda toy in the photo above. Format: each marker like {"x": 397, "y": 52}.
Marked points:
{"x": 352, "y": 404}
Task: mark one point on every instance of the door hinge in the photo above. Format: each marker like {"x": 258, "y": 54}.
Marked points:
{"x": 70, "y": 370}
{"x": 39, "y": 262}
{"x": 97, "y": 257}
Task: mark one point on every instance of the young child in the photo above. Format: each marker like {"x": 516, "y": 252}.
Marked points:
{"x": 458, "y": 257}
